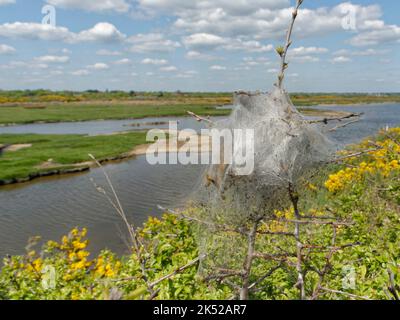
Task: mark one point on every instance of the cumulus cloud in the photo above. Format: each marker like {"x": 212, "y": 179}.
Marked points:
{"x": 33, "y": 31}
{"x": 169, "y": 69}
{"x": 380, "y": 34}
{"x": 218, "y": 68}
{"x": 81, "y": 72}
{"x": 341, "y": 59}
{"x": 195, "y": 55}
{"x": 203, "y": 41}
{"x": 308, "y": 50}
{"x": 152, "y": 42}
{"x": 155, "y": 62}
{"x": 6, "y": 49}
{"x": 207, "y": 41}
{"x": 361, "y": 53}
{"x": 102, "y": 32}
{"x": 105, "y": 52}
{"x": 306, "y": 54}
{"x": 211, "y": 22}
{"x": 124, "y": 61}
{"x": 98, "y": 66}
{"x": 5, "y": 2}
{"x": 119, "y": 6}
{"x": 53, "y": 59}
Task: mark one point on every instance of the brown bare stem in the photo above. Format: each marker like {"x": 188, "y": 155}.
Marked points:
{"x": 199, "y": 118}
{"x": 137, "y": 245}
{"x": 294, "y": 198}
{"x": 288, "y": 43}
{"x": 248, "y": 263}
{"x": 327, "y": 120}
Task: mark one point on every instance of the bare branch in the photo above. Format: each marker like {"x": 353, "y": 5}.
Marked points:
{"x": 283, "y": 51}
{"x": 177, "y": 271}
{"x": 199, "y": 118}
{"x": 327, "y": 120}
{"x": 344, "y": 125}
{"x": 393, "y": 289}
{"x": 345, "y": 294}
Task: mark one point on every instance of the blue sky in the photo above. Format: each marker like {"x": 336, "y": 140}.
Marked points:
{"x": 203, "y": 45}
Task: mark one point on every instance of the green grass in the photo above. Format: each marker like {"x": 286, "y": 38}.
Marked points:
{"x": 63, "y": 149}
{"x": 69, "y": 112}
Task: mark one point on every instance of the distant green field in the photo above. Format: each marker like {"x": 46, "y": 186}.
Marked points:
{"x": 62, "y": 149}
{"x": 72, "y": 112}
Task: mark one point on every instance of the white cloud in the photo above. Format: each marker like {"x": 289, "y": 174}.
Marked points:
{"x": 27, "y": 30}
{"x": 169, "y": 69}
{"x": 152, "y": 43}
{"x": 6, "y": 2}
{"x": 124, "y": 61}
{"x": 217, "y": 68}
{"x": 341, "y": 59}
{"x": 203, "y": 41}
{"x": 81, "y": 72}
{"x": 308, "y": 50}
{"x": 105, "y": 52}
{"x": 103, "y": 32}
{"x": 380, "y": 34}
{"x": 5, "y": 49}
{"x": 206, "y": 41}
{"x": 98, "y": 66}
{"x": 155, "y": 62}
{"x": 361, "y": 53}
{"x": 272, "y": 70}
{"x": 53, "y": 59}
{"x": 119, "y": 6}
{"x": 195, "y": 55}
{"x": 210, "y": 23}
{"x": 249, "y": 46}
{"x": 252, "y": 62}
{"x": 26, "y": 65}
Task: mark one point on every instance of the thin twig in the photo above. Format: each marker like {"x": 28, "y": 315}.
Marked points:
{"x": 177, "y": 271}
{"x": 393, "y": 289}
{"x": 345, "y": 294}
{"x": 294, "y": 198}
{"x": 248, "y": 262}
{"x": 288, "y": 43}
{"x": 199, "y": 118}
{"x": 132, "y": 232}
{"x": 327, "y": 120}
{"x": 344, "y": 125}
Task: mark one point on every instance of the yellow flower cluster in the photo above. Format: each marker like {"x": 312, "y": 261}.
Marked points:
{"x": 74, "y": 247}
{"x": 384, "y": 161}
{"x": 106, "y": 266}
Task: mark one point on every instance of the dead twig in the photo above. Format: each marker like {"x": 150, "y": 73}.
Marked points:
{"x": 393, "y": 288}
{"x": 283, "y": 51}
{"x": 344, "y": 125}
{"x": 327, "y": 120}
{"x": 137, "y": 245}
{"x": 199, "y": 118}
{"x": 345, "y": 294}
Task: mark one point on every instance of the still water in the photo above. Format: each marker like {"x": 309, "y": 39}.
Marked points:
{"x": 53, "y": 206}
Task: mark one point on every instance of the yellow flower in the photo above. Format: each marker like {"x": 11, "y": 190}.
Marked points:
{"x": 82, "y": 254}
